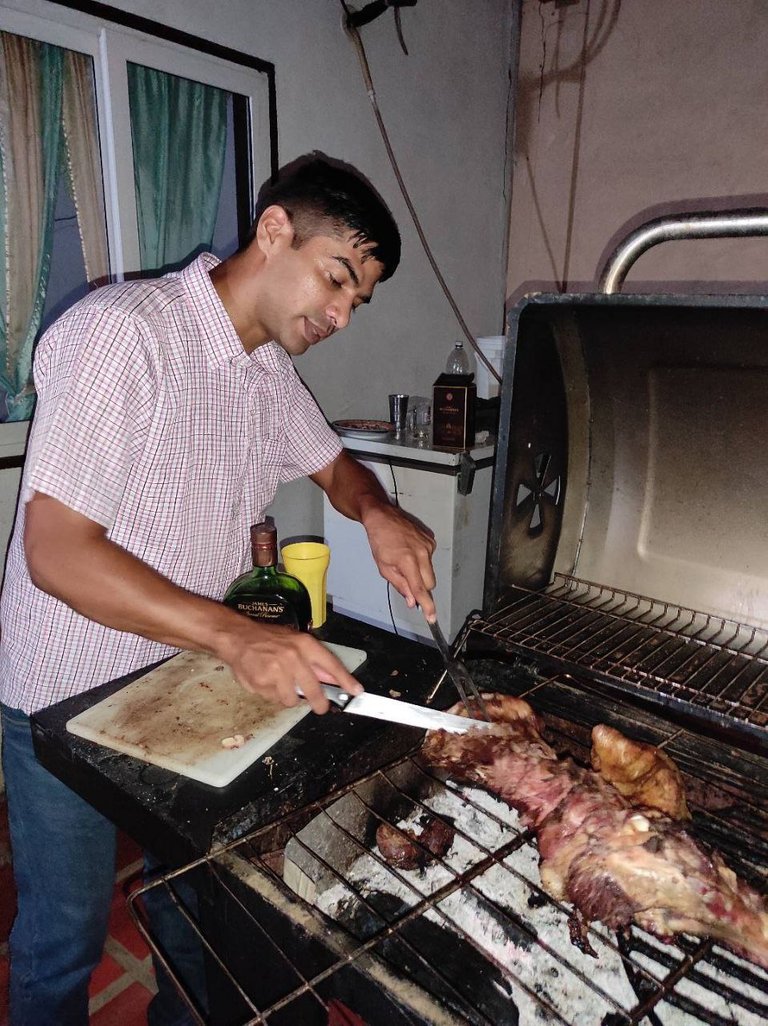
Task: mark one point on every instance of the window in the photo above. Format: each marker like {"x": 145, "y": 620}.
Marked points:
{"x": 127, "y": 72}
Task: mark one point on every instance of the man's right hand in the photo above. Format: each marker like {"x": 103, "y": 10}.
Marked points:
{"x": 273, "y": 661}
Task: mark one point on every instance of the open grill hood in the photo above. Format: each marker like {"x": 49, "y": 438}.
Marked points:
{"x": 627, "y": 535}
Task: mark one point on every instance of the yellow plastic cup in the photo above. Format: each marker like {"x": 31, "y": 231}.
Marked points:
{"x": 309, "y": 562}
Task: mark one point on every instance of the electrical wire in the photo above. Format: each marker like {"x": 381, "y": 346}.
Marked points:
{"x": 360, "y": 48}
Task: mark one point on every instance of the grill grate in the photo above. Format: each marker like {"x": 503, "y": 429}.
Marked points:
{"x": 714, "y": 668}
{"x": 508, "y": 955}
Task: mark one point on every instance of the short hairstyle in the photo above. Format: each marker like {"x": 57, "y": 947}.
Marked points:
{"x": 319, "y": 194}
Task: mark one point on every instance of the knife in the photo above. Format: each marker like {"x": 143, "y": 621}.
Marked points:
{"x": 457, "y": 671}
{"x": 395, "y": 711}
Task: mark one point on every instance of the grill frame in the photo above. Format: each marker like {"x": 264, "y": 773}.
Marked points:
{"x": 255, "y": 856}
{"x": 702, "y": 641}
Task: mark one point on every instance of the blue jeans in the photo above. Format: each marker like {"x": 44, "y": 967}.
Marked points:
{"x": 63, "y": 854}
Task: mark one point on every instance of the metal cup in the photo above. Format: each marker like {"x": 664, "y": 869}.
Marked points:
{"x": 398, "y": 412}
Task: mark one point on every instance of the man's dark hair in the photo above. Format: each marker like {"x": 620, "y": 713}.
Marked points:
{"x": 325, "y": 197}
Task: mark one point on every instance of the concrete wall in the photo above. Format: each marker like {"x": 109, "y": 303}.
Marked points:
{"x": 628, "y": 110}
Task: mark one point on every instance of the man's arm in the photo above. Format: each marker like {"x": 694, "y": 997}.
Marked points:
{"x": 70, "y": 557}
{"x": 401, "y": 546}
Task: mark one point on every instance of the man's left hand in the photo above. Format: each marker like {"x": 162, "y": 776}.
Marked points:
{"x": 402, "y": 548}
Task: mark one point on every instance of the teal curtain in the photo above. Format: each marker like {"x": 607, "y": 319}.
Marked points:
{"x": 30, "y": 112}
{"x": 179, "y": 131}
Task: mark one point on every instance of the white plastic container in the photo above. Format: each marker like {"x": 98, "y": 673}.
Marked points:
{"x": 492, "y": 347}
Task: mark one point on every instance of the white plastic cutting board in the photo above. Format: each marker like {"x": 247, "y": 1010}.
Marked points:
{"x": 177, "y": 715}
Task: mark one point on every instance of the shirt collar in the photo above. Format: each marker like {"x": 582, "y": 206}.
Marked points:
{"x": 221, "y": 341}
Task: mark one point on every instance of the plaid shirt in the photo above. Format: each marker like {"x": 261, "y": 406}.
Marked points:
{"x": 153, "y": 421}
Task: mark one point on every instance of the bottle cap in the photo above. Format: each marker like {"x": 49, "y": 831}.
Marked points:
{"x": 264, "y": 542}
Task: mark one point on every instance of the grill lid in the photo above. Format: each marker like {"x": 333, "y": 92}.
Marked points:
{"x": 630, "y": 456}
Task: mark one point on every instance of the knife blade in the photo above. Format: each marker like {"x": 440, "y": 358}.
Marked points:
{"x": 395, "y": 711}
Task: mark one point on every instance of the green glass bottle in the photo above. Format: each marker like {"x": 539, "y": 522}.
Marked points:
{"x": 266, "y": 593}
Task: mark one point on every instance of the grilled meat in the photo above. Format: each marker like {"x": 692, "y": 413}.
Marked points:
{"x": 615, "y": 859}
{"x": 404, "y": 849}
{"x": 641, "y": 772}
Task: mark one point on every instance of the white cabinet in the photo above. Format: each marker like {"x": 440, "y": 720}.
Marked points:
{"x": 427, "y": 483}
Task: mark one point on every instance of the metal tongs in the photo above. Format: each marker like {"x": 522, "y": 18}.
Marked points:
{"x": 459, "y": 674}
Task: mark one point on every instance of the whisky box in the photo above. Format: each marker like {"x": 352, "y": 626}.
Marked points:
{"x": 453, "y": 411}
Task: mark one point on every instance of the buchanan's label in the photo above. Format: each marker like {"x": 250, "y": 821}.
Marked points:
{"x": 272, "y": 609}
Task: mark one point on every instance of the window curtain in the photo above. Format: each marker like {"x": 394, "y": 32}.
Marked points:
{"x": 83, "y": 164}
{"x": 179, "y": 130}
{"x": 47, "y": 119}
{"x": 31, "y": 76}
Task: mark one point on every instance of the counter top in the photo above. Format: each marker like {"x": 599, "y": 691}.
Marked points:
{"x": 179, "y": 819}
{"x": 413, "y": 449}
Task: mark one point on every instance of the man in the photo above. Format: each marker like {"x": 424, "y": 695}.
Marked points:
{"x": 168, "y": 413}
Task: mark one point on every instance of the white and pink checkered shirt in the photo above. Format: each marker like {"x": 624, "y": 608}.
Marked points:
{"x": 153, "y": 421}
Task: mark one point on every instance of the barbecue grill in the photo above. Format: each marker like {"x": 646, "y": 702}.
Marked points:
{"x": 626, "y": 583}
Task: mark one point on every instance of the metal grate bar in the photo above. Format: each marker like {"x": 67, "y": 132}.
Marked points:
{"x": 499, "y": 859}
{"x": 713, "y": 665}
{"x": 680, "y": 972}
{"x": 404, "y": 784}
{"x": 259, "y": 1016}
{"x": 463, "y": 882}
{"x": 394, "y": 927}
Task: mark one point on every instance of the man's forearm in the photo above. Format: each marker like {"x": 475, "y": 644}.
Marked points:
{"x": 71, "y": 558}
{"x": 352, "y": 489}
{"x": 79, "y": 565}
{"x": 401, "y": 547}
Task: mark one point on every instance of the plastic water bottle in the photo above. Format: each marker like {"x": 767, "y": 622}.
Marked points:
{"x": 458, "y": 360}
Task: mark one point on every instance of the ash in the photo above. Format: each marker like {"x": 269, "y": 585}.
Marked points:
{"x": 526, "y": 936}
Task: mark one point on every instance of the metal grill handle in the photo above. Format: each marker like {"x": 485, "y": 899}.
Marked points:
{"x": 703, "y": 225}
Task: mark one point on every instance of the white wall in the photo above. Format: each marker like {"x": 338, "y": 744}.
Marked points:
{"x": 630, "y": 110}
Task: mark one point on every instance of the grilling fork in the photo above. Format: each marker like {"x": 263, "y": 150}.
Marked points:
{"x": 458, "y": 673}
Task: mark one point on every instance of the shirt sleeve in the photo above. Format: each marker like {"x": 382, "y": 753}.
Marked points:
{"x": 312, "y": 443}
{"x": 96, "y": 384}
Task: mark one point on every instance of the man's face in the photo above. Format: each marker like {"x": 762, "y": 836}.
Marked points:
{"x": 314, "y": 289}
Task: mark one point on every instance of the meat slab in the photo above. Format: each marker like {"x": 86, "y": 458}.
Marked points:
{"x": 613, "y": 840}
{"x": 404, "y": 849}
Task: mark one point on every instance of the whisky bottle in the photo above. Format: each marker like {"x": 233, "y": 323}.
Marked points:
{"x": 266, "y": 593}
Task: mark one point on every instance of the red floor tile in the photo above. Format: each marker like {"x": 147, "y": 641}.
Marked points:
{"x": 106, "y": 972}
{"x": 128, "y": 1008}
{"x": 3, "y": 991}
{"x": 5, "y": 841}
{"x": 7, "y": 902}
{"x": 128, "y": 851}
{"x": 123, "y": 929}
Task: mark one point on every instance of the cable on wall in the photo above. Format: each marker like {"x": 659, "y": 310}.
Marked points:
{"x": 354, "y": 34}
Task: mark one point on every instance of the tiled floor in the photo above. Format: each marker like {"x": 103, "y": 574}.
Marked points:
{"x": 123, "y": 983}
